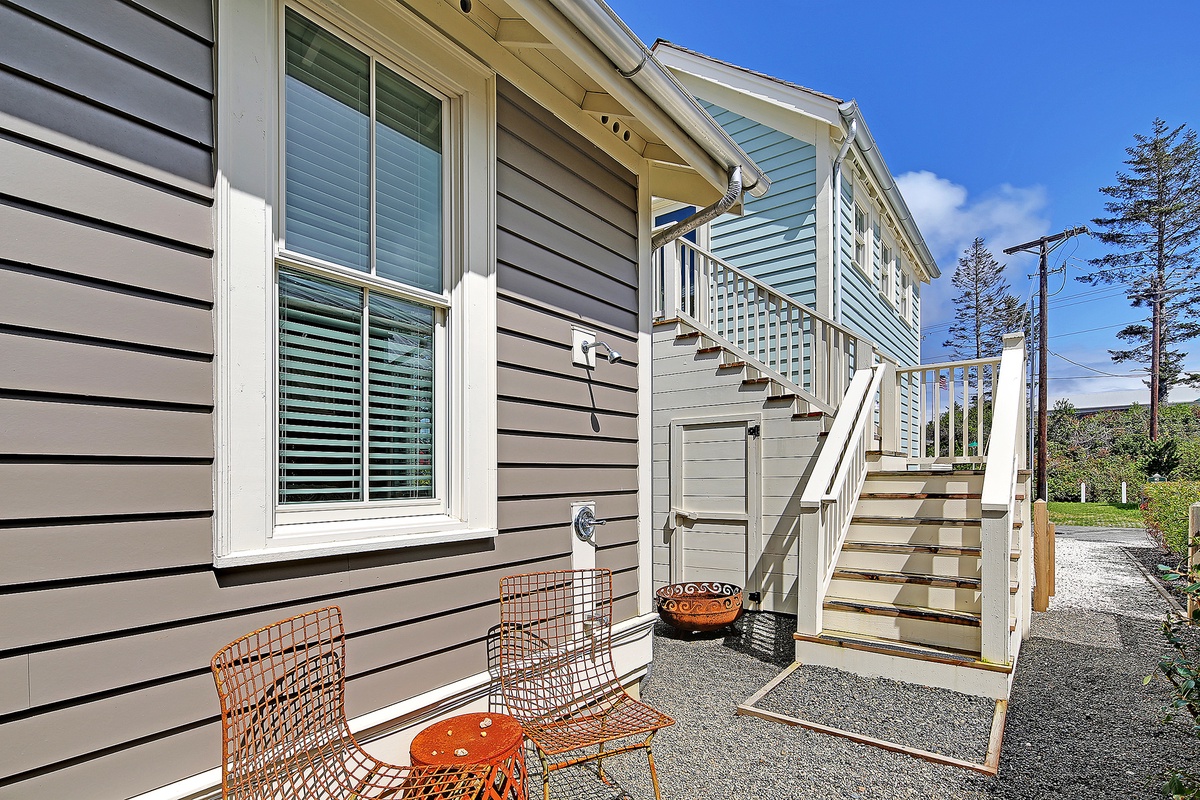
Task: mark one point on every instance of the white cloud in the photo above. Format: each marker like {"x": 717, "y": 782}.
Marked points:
{"x": 950, "y": 219}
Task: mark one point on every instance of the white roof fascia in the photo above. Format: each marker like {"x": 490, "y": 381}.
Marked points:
{"x": 595, "y": 38}
{"x": 791, "y": 98}
{"x": 868, "y": 150}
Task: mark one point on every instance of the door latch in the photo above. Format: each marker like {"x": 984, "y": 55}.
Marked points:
{"x": 754, "y": 430}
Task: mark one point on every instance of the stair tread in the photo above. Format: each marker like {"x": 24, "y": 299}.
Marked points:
{"x": 889, "y": 576}
{"x": 923, "y": 652}
{"x": 713, "y": 349}
{"x": 933, "y": 549}
{"x": 871, "y": 519}
{"x": 899, "y": 610}
{"x": 732, "y": 365}
{"x": 925, "y": 473}
{"x": 922, "y": 495}
{"x": 881, "y": 519}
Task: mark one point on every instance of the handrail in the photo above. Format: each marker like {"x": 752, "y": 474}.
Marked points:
{"x": 828, "y": 501}
{"x": 998, "y": 499}
{"x": 1001, "y": 471}
{"x": 788, "y": 338}
{"x": 823, "y": 472}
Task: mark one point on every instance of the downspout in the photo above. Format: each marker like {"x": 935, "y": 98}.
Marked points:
{"x": 837, "y": 220}
{"x": 707, "y": 214}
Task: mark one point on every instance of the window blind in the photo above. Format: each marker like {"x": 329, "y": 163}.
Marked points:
{"x": 327, "y": 98}
{"x": 400, "y": 399}
{"x": 320, "y": 390}
{"x": 408, "y": 182}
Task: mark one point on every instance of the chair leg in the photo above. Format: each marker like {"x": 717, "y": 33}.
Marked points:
{"x": 653, "y": 771}
{"x": 545, "y": 775}
{"x": 600, "y": 763}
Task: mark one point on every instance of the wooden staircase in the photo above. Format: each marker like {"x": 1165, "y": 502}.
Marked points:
{"x": 891, "y": 570}
{"x": 906, "y": 587}
{"x": 774, "y": 390}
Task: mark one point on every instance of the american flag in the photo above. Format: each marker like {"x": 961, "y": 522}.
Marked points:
{"x": 942, "y": 384}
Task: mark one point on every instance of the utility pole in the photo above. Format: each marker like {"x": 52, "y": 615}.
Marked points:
{"x": 1043, "y": 250}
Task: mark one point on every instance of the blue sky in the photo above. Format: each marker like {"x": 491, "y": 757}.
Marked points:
{"x": 1000, "y": 119}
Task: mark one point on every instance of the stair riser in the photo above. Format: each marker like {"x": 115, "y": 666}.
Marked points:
{"x": 919, "y": 563}
{"x": 935, "y": 634}
{"x": 936, "y": 483}
{"x": 948, "y": 536}
{"x": 952, "y": 508}
{"x": 908, "y": 594}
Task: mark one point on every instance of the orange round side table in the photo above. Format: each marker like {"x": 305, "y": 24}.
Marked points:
{"x": 492, "y": 739}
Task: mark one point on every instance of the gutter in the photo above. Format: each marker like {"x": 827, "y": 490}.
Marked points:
{"x": 836, "y": 249}
{"x": 866, "y": 145}
{"x": 604, "y": 41}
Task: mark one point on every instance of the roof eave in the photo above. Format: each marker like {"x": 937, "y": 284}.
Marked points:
{"x": 600, "y": 42}
{"x": 865, "y": 145}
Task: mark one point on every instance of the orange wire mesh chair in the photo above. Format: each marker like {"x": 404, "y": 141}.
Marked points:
{"x": 283, "y": 722}
{"x": 557, "y": 673}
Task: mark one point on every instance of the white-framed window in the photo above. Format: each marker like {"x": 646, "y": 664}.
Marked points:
{"x": 355, "y": 362}
{"x": 883, "y": 276}
{"x": 862, "y": 223}
{"x": 875, "y": 244}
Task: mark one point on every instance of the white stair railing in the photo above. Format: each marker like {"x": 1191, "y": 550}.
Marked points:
{"x": 831, "y": 494}
{"x": 788, "y": 339}
{"x": 944, "y": 410}
{"x": 1005, "y": 457}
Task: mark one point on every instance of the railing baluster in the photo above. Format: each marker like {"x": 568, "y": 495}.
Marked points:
{"x": 966, "y": 410}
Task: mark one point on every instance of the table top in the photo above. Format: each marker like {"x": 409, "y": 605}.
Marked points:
{"x": 484, "y": 743}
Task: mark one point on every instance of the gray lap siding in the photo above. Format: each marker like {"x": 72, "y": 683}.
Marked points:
{"x": 110, "y": 608}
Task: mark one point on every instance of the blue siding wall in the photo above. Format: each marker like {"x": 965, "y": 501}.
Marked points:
{"x": 864, "y": 308}
{"x": 776, "y": 239}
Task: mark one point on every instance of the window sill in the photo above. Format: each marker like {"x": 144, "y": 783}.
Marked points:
{"x": 392, "y": 540}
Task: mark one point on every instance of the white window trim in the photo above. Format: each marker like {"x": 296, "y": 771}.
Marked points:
{"x": 863, "y": 238}
{"x": 247, "y": 223}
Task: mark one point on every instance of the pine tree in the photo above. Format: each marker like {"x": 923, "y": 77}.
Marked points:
{"x": 1154, "y": 233}
{"x": 983, "y": 310}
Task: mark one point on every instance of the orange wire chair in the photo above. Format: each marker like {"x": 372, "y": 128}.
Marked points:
{"x": 283, "y": 722}
{"x": 557, "y": 674}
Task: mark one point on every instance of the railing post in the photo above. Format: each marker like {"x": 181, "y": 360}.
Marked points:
{"x": 889, "y": 410}
{"x": 672, "y": 279}
{"x": 994, "y": 611}
{"x": 1041, "y": 556}
{"x": 1193, "y": 535}
{"x": 810, "y": 602}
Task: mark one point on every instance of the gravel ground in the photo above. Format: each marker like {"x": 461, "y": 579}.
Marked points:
{"x": 937, "y": 720}
{"x": 1080, "y": 723}
{"x": 1150, "y": 555}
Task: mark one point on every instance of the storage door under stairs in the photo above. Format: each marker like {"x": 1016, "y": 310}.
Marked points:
{"x": 716, "y": 497}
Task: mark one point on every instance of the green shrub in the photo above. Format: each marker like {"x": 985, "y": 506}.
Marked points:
{"x": 1167, "y": 512}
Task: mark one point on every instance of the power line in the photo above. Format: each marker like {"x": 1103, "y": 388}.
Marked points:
{"x": 1093, "y": 369}
{"x": 1090, "y": 330}
{"x": 1066, "y": 301}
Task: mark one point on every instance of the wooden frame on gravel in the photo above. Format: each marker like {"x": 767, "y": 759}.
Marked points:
{"x": 990, "y": 765}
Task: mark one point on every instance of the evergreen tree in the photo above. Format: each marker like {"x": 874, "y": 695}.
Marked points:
{"x": 1170, "y": 368}
{"x": 983, "y": 310}
{"x": 1154, "y": 232}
